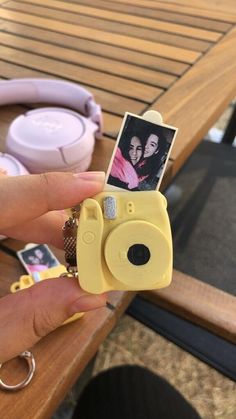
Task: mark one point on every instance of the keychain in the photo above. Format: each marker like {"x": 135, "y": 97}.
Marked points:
{"x": 70, "y": 238}
{"x": 28, "y": 356}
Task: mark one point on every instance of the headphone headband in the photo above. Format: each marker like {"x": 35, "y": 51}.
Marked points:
{"x": 56, "y": 92}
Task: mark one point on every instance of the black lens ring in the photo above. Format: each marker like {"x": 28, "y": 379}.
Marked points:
{"x": 138, "y": 254}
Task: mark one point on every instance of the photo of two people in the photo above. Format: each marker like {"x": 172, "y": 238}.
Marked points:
{"x": 141, "y": 154}
{"x": 37, "y": 258}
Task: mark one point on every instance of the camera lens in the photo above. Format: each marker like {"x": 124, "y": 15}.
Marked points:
{"x": 138, "y": 254}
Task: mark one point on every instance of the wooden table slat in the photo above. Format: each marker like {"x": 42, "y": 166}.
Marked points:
{"x": 221, "y": 13}
{"x": 158, "y": 49}
{"x": 141, "y": 22}
{"x": 181, "y": 41}
{"x": 118, "y": 68}
{"x": 227, "y": 5}
{"x": 97, "y": 48}
{"x": 119, "y": 85}
{"x": 169, "y": 16}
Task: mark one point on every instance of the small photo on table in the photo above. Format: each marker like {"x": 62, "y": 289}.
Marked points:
{"x": 37, "y": 258}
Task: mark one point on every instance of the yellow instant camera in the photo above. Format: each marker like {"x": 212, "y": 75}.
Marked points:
{"x": 121, "y": 238}
{"x": 124, "y": 242}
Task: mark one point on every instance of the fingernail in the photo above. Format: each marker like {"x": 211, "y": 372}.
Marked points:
{"x": 91, "y": 176}
{"x": 88, "y": 302}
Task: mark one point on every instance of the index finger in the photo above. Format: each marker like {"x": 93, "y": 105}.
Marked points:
{"x": 27, "y": 197}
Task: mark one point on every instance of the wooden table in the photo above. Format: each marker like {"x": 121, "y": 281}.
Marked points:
{"x": 177, "y": 57}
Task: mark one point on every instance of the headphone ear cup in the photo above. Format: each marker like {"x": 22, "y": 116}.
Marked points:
{"x": 9, "y": 165}
{"x": 49, "y": 139}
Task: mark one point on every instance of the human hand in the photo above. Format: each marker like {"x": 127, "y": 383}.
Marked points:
{"x": 29, "y": 211}
{"x": 30, "y": 204}
{"x": 30, "y": 314}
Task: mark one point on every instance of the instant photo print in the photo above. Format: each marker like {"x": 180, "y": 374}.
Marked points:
{"x": 37, "y": 258}
{"x": 141, "y": 154}
{"x": 123, "y": 235}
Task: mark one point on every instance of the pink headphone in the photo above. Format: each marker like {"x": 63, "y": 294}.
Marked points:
{"x": 52, "y": 138}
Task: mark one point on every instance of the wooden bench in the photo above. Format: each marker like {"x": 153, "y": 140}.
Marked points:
{"x": 198, "y": 302}
{"x": 176, "y": 57}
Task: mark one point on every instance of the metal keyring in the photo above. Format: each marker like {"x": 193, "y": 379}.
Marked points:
{"x": 28, "y": 356}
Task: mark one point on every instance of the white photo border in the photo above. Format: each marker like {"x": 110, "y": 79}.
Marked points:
{"x": 20, "y": 255}
{"x": 108, "y": 186}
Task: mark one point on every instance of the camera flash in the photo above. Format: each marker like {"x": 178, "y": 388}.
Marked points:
{"x": 109, "y": 208}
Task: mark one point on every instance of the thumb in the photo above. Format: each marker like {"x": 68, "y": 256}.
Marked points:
{"x": 39, "y": 310}
{"x": 26, "y": 197}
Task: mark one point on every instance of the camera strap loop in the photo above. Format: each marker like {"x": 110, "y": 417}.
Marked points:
{"x": 70, "y": 238}
{"x": 28, "y": 356}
